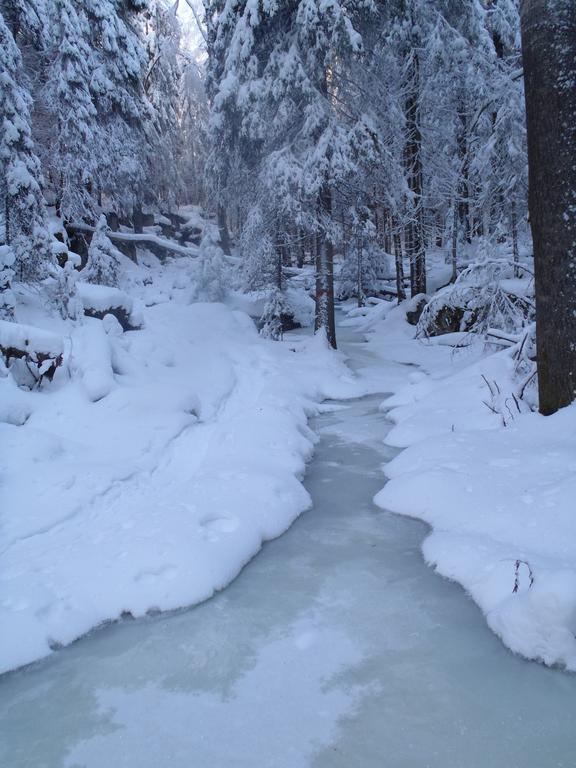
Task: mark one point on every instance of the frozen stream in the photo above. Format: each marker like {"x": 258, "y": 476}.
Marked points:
{"x": 335, "y": 648}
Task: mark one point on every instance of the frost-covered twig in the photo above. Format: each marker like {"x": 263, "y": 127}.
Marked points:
{"x": 517, "y": 565}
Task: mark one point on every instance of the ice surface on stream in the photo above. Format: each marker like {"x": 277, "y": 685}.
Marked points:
{"x": 335, "y": 648}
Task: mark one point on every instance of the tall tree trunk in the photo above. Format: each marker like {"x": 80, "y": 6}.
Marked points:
{"x": 549, "y": 54}
{"x": 325, "y": 273}
{"x": 399, "y": 264}
{"x": 514, "y": 228}
{"x": 223, "y": 230}
{"x": 7, "y": 233}
{"x": 360, "y": 266}
{"x": 301, "y": 253}
{"x": 414, "y": 240}
{"x": 464, "y": 182}
{"x": 137, "y": 218}
{"x": 387, "y": 225}
{"x": 454, "y": 274}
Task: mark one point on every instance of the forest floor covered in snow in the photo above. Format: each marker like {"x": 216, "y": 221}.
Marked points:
{"x": 154, "y": 465}
{"x": 496, "y": 485}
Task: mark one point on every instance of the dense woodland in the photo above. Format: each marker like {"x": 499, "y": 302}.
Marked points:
{"x": 356, "y": 135}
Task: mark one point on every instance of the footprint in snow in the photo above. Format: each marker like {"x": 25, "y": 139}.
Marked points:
{"x": 211, "y": 526}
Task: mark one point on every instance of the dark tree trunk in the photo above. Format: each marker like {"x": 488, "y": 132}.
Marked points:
{"x": 360, "y": 267}
{"x": 301, "y": 253}
{"x": 454, "y": 274}
{"x": 514, "y": 229}
{"x": 414, "y": 240}
{"x": 549, "y": 55}
{"x": 398, "y": 261}
{"x": 113, "y": 221}
{"x": 464, "y": 182}
{"x": 7, "y": 233}
{"x": 387, "y": 225}
{"x": 137, "y": 219}
{"x": 325, "y": 273}
{"x": 223, "y": 230}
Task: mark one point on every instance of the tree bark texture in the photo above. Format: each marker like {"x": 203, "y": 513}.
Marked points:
{"x": 414, "y": 237}
{"x": 549, "y": 56}
{"x": 325, "y": 274}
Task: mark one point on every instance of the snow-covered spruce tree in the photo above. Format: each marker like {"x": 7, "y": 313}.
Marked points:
{"x": 27, "y": 20}
{"x": 7, "y": 299}
{"x": 104, "y": 260}
{"x": 275, "y": 310}
{"x": 163, "y": 92}
{"x": 467, "y": 152}
{"x": 194, "y": 131}
{"x": 221, "y": 182}
{"x": 276, "y": 86}
{"x": 505, "y": 193}
{"x": 209, "y": 273}
{"x": 117, "y": 88}
{"x": 64, "y": 292}
{"x": 25, "y": 218}
{"x": 74, "y": 154}
{"x": 261, "y": 267}
{"x": 363, "y": 262}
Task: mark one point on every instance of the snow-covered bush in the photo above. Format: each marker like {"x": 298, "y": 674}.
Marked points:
{"x": 7, "y": 301}
{"x": 104, "y": 260}
{"x": 276, "y": 310}
{"x": 259, "y": 257}
{"x": 21, "y": 180}
{"x": 209, "y": 273}
{"x": 99, "y": 301}
{"x": 29, "y": 353}
{"x": 483, "y": 297}
{"x": 360, "y": 271}
{"x": 64, "y": 291}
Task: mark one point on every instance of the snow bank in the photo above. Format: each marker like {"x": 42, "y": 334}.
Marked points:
{"x": 102, "y": 297}
{"x": 32, "y": 340}
{"x": 91, "y": 358}
{"x": 151, "y": 486}
{"x": 500, "y": 499}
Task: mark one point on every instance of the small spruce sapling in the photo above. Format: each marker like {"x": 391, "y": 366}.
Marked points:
{"x": 7, "y": 300}
{"x": 65, "y": 295}
{"x": 103, "y": 265}
{"x": 210, "y": 270}
{"x": 272, "y": 318}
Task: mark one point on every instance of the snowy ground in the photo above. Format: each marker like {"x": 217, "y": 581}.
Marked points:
{"x": 500, "y": 499}
{"x": 336, "y": 647}
{"x": 155, "y": 464}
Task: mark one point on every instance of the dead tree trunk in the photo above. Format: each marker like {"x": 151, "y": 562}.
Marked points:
{"x": 549, "y": 54}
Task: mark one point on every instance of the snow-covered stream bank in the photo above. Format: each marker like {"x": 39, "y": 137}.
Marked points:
{"x": 336, "y": 647}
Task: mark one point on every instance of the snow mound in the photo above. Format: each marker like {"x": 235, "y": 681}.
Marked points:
{"x": 149, "y": 478}
{"x": 29, "y": 339}
{"x": 497, "y": 486}
{"x": 101, "y": 298}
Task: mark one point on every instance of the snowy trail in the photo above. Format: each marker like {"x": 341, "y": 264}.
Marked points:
{"x": 336, "y": 647}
